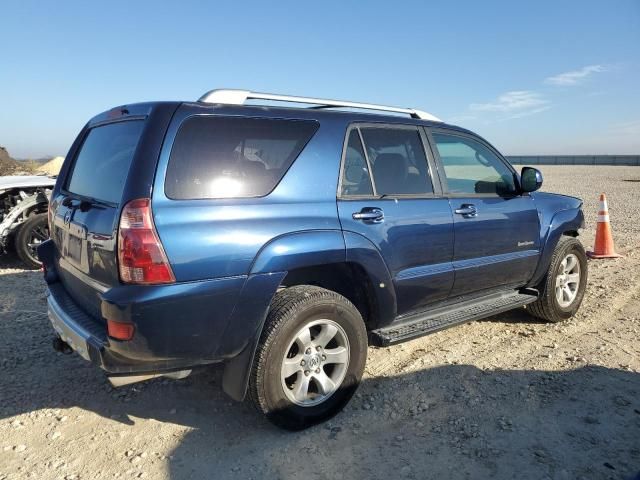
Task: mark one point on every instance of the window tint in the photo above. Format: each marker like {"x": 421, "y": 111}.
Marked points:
{"x": 225, "y": 157}
{"x": 355, "y": 175}
{"x": 471, "y": 168}
{"x": 398, "y": 160}
{"x": 102, "y": 165}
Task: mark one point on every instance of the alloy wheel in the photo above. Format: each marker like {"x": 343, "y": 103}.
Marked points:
{"x": 315, "y": 363}
{"x": 568, "y": 280}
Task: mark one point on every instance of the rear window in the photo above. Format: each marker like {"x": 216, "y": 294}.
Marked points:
{"x": 102, "y": 165}
{"x": 232, "y": 157}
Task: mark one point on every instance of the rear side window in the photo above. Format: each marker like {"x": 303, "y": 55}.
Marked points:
{"x": 102, "y": 165}
{"x": 233, "y": 157}
{"x": 355, "y": 178}
{"x": 397, "y": 160}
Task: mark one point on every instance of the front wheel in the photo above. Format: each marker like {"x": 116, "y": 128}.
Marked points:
{"x": 562, "y": 289}
{"x": 31, "y": 234}
{"x": 310, "y": 357}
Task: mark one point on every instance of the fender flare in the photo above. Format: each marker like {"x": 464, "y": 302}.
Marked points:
{"x": 562, "y": 222}
{"x": 270, "y": 266}
{"x": 361, "y": 251}
{"x": 295, "y": 250}
{"x": 300, "y": 249}
{"x": 311, "y": 248}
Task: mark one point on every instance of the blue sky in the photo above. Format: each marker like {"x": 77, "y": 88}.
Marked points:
{"x": 544, "y": 77}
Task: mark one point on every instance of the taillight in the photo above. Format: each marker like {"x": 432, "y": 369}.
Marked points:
{"x": 141, "y": 258}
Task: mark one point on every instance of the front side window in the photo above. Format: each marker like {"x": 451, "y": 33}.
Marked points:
{"x": 472, "y": 168}
{"x": 233, "y": 157}
{"x": 397, "y": 160}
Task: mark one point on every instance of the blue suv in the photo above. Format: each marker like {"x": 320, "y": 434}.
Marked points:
{"x": 284, "y": 241}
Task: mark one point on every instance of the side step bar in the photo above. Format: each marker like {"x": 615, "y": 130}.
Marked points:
{"x": 423, "y": 323}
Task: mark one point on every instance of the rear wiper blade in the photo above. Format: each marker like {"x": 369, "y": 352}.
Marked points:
{"x": 86, "y": 203}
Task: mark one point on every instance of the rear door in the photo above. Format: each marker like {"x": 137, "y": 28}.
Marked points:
{"x": 86, "y": 210}
{"x": 387, "y": 194}
{"x": 496, "y": 228}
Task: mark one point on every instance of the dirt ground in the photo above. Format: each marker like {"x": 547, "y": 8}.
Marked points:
{"x": 507, "y": 397}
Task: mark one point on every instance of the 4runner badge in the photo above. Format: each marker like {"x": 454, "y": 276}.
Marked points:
{"x": 524, "y": 244}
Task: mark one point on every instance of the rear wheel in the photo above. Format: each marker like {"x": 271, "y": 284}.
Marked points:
{"x": 31, "y": 234}
{"x": 562, "y": 289}
{"x": 310, "y": 357}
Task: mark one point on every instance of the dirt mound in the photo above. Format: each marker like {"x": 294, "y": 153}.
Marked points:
{"x": 52, "y": 167}
{"x": 8, "y": 165}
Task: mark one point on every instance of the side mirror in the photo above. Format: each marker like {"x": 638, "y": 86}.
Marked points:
{"x": 530, "y": 179}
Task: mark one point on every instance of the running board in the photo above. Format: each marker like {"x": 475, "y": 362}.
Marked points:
{"x": 424, "y": 323}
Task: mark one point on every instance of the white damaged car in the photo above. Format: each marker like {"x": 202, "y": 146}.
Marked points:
{"x": 23, "y": 215}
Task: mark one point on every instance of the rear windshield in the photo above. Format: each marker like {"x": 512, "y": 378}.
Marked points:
{"x": 103, "y": 162}
{"x": 232, "y": 157}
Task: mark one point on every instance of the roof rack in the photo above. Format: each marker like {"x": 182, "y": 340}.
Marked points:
{"x": 239, "y": 97}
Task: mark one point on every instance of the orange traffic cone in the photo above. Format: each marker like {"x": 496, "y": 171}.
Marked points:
{"x": 604, "y": 240}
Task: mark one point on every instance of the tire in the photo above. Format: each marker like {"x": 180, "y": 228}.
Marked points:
{"x": 548, "y": 306}
{"x": 318, "y": 311}
{"x": 32, "y": 232}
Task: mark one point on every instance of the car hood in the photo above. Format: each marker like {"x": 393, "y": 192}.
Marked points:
{"x": 557, "y": 201}
{"x": 25, "y": 181}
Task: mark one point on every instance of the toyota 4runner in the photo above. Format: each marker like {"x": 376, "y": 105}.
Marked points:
{"x": 284, "y": 241}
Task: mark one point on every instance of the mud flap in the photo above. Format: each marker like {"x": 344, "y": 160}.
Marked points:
{"x": 244, "y": 329}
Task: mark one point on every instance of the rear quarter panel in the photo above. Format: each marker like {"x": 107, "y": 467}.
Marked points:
{"x": 222, "y": 237}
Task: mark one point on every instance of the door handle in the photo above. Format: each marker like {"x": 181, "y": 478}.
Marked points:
{"x": 467, "y": 210}
{"x": 372, "y": 215}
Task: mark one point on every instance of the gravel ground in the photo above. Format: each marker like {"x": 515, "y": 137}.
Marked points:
{"x": 506, "y": 397}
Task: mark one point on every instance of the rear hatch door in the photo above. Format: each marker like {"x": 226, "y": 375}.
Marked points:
{"x": 86, "y": 210}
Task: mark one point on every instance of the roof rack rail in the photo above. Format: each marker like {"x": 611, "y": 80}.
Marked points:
{"x": 239, "y": 97}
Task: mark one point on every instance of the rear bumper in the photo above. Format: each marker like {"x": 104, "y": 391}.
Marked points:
{"x": 89, "y": 339}
{"x": 74, "y": 327}
{"x": 168, "y": 336}
{"x": 177, "y": 326}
